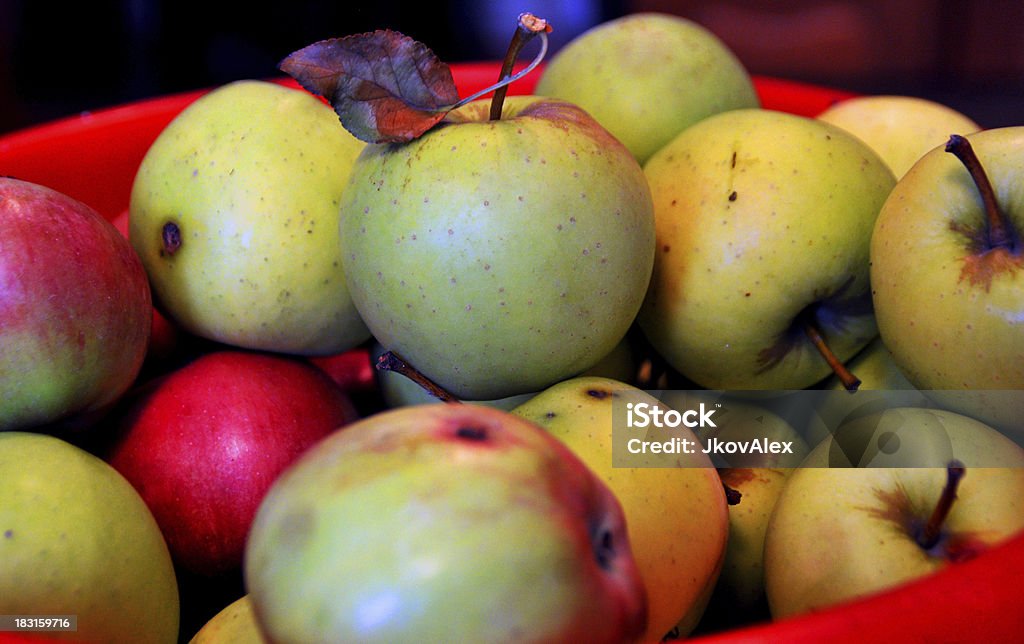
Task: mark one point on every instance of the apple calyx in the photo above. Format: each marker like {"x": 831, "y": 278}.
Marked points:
{"x": 997, "y": 246}
{"x": 527, "y": 27}
{"x": 391, "y": 361}
{"x": 732, "y": 495}
{"x": 930, "y": 533}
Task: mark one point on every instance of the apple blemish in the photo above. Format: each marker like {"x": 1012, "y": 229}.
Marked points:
{"x": 472, "y": 433}
{"x": 600, "y": 394}
{"x": 604, "y": 547}
{"x": 170, "y": 235}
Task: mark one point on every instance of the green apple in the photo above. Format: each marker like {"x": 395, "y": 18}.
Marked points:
{"x": 234, "y": 212}
{"x": 901, "y": 129}
{"x": 499, "y": 257}
{"x": 442, "y": 523}
{"x": 763, "y": 225}
{"x": 233, "y": 624}
{"x": 839, "y": 533}
{"x": 945, "y": 274}
{"x": 677, "y": 517}
{"x": 648, "y": 76}
{"x": 77, "y": 539}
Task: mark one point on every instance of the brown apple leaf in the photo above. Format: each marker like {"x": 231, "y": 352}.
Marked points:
{"x": 384, "y": 86}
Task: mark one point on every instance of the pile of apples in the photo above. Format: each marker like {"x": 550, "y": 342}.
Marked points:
{"x": 192, "y": 419}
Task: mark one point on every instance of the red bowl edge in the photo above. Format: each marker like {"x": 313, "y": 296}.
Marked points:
{"x": 93, "y": 156}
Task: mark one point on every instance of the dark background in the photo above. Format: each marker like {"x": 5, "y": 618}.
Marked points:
{"x": 58, "y": 59}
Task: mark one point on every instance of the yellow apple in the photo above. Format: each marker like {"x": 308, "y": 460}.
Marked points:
{"x": 677, "y": 516}
{"x": 901, "y": 129}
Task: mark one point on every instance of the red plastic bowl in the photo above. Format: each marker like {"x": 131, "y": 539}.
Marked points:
{"x": 93, "y": 157}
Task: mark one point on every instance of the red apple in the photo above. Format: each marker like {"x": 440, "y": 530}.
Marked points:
{"x": 353, "y": 370}
{"x": 203, "y": 443}
{"x": 75, "y": 310}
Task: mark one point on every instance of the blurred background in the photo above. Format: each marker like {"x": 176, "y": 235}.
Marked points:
{"x": 58, "y": 59}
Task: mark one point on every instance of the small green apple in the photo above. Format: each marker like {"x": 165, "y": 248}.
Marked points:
{"x": 677, "y": 517}
{"x": 901, "y": 129}
{"x": 946, "y": 256}
{"x": 838, "y": 533}
{"x": 442, "y": 523}
{"x": 77, "y": 539}
{"x": 499, "y": 256}
{"x": 648, "y": 76}
{"x": 763, "y": 225}
{"x": 234, "y": 212}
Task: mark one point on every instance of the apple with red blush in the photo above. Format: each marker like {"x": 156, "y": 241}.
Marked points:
{"x": 70, "y": 287}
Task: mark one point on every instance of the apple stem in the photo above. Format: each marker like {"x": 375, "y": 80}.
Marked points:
{"x": 527, "y": 26}
{"x": 850, "y": 381}
{"x": 999, "y": 231}
{"x": 391, "y": 361}
{"x": 932, "y": 531}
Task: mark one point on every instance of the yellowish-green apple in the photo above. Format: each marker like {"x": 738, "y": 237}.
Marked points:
{"x": 946, "y": 259}
{"x": 763, "y": 224}
{"x": 758, "y": 477}
{"x": 234, "y": 212}
{"x": 648, "y": 76}
{"x": 443, "y": 523}
{"x": 740, "y": 591}
{"x": 77, "y": 539}
{"x": 891, "y": 512}
{"x": 677, "y": 517}
{"x": 499, "y": 256}
{"x": 234, "y": 624}
{"x": 901, "y": 129}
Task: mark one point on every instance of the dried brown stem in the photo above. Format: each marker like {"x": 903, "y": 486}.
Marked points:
{"x": 527, "y": 27}
{"x": 391, "y": 361}
{"x": 850, "y": 381}
{"x": 932, "y": 530}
